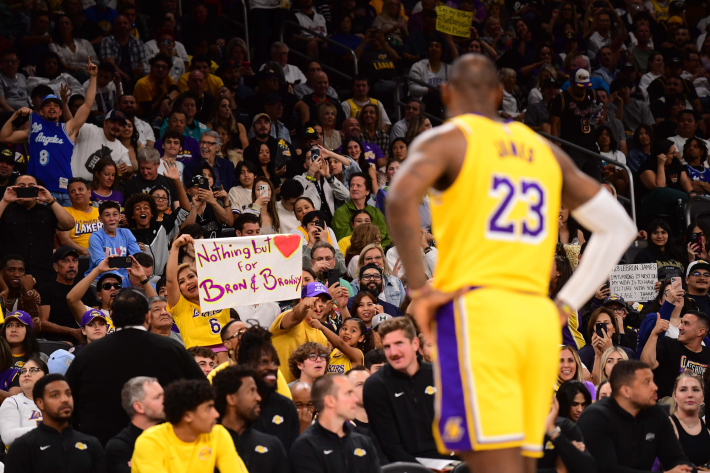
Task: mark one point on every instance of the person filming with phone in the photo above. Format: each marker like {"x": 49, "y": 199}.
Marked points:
{"x": 603, "y": 330}
{"x": 28, "y": 228}
{"x": 318, "y": 185}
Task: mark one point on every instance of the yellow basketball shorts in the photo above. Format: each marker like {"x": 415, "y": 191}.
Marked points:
{"x": 496, "y": 363}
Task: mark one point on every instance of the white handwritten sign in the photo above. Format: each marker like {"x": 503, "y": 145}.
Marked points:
{"x": 248, "y": 270}
{"x": 634, "y": 282}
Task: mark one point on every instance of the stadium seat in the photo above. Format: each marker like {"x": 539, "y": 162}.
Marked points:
{"x": 84, "y": 263}
{"x": 404, "y": 467}
{"x": 698, "y": 207}
{"x": 50, "y": 346}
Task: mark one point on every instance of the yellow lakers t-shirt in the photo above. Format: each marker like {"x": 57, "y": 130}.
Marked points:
{"x": 340, "y": 364}
{"x": 84, "y": 225}
{"x": 281, "y": 384}
{"x": 159, "y": 450}
{"x": 198, "y": 329}
{"x": 286, "y": 341}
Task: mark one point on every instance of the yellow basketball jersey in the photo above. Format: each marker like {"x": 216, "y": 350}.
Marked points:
{"x": 496, "y": 225}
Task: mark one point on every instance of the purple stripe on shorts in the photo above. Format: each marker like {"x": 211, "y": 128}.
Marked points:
{"x": 452, "y": 426}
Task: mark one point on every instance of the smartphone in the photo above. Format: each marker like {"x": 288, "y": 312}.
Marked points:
{"x": 26, "y": 192}
{"x": 21, "y": 120}
{"x": 246, "y": 64}
{"x": 315, "y": 153}
{"x": 332, "y": 276}
{"x": 204, "y": 184}
{"x": 697, "y": 238}
{"x": 320, "y": 224}
{"x": 263, "y": 189}
{"x": 676, "y": 282}
{"x": 120, "y": 262}
{"x": 600, "y": 329}
{"x": 216, "y": 188}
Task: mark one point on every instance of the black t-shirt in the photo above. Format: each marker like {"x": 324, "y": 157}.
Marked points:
{"x": 674, "y": 358}
{"x": 208, "y": 221}
{"x": 657, "y": 89}
{"x": 54, "y": 294}
{"x": 137, "y": 185}
{"x": 575, "y": 115}
{"x": 673, "y": 174}
{"x": 377, "y": 65}
{"x": 255, "y": 104}
{"x": 204, "y": 108}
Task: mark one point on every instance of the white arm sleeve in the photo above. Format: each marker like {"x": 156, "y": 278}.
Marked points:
{"x": 612, "y": 233}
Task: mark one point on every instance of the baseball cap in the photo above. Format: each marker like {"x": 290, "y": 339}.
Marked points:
{"x": 59, "y": 362}
{"x": 258, "y": 116}
{"x": 272, "y": 98}
{"x": 675, "y": 19}
{"x": 614, "y": 299}
{"x": 117, "y": 115}
{"x": 676, "y": 62}
{"x": 226, "y": 65}
{"x": 7, "y": 155}
{"x": 267, "y": 73}
{"x": 64, "y": 251}
{"x": 90, "y": 315}
{"x": 378, "y": 319}
{"x": 570, "y": 37}
{"x": 310, "y": 133}
{"x": 105, "y": 276}
{"x": 581, "y": 78}
{"x": 314, "y": 289}
{"x": 628, "y": 66}
{"x": 51, "y": 98}
{"x": 550, "y": 82}
{"x": 22, "y": 316}
{"x": 695, "y": 265}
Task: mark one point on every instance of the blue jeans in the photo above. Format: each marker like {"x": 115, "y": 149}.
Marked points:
{"x": 62, "y": 198}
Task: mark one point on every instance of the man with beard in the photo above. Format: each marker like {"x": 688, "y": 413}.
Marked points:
{"x": 128, "y": 105}
{"x": 278, "y": 415}
{"x": 7, "y": 168}
{"x": 54, "y": 442}
{"x": 29, "y": 227}
{"x": 291, "y": 330}
{"x": 53, "y": 144}
{"x": 269, "y": 84}
{"x": 627, "y": 431}
{"x": 142, "y": 399}
{"x": 58, "y": 323}
{"x": 94, "y": 143}
{"x": 21, "y": 295}
{"x": 280, "y": 150}
{"x": 371, "y": 281}
{"x": 238, "y": 403}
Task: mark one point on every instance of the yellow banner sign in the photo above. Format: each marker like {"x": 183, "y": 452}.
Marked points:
{"x": 454, "y": 22}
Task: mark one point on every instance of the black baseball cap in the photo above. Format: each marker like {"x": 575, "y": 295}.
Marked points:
{"x": 266, "y": 73}
{"x": 197, "y": 179}
{"x": 676, "y": 62}
{"x": 309, "y": 133}
{"x": 6, "y": 154}
{"x": 64, "y": 251}
{"x": 226, "y": 65}
{"x": 628, "y": 66}
{"x": 106, "y": 276}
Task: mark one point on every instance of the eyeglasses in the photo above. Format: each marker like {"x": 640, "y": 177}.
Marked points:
{"x": 160, "y": 199}
{"x": 315, "y": 356}
{"x": 166, "y": 42}
{"x": 107, "y": 286}
{"x": 697, "y": 274}
{"x": 327, "y": 259}
{"x": 209, "y": 143}
{"x": 236, "y": 335}
{"x": 619, "y": 309}
{"x": 372, "y": 277}
{"x": 24, "y": 371}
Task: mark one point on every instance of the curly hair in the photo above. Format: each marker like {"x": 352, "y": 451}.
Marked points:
{"x": 254, "y": 342}
{"x": 363, "y": 235}
{"x": 229, "y": 381}
{"x": 185, "y": 395}
{"x": 300, "y": 354}
{"x": 137, "y": 199}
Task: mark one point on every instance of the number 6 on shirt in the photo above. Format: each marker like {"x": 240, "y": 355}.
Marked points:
{"x": 215, "y": 327}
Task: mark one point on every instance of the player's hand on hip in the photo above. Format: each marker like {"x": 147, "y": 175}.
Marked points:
{"x": 424, "y": 307}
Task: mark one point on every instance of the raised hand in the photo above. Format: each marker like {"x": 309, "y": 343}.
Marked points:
{"x": 182, "y": 241}
{"x": 91, "y": 68}
{"x": 171, "y": 170}
{"x": 661, "y": 325}
{"x": 64, "y": 92}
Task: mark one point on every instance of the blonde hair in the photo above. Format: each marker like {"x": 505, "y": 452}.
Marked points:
{"x": 578, "y": 372}
{"x": 182, "y": 267}
{"x": 605, "y": 356}
{"x": 683, "y": 375}
{"x": 361, "y": 259}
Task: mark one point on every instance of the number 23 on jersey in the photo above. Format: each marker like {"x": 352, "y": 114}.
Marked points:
{"x": 519, "y": 212}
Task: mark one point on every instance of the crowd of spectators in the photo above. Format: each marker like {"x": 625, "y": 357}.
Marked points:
{"x": 131, "y": 130}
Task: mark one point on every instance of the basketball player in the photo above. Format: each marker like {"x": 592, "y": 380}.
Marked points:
{"x": 51, "y": 141}
{"x": 495, "y": 196}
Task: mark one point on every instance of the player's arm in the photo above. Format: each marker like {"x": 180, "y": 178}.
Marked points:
{"x": 11, "y": 136}
{"x": 434, "y": 160}
{"x": 612, "y": 231}
{"x": 82, "y": 114}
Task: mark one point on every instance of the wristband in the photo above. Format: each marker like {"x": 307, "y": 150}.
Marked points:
{"x": 52, "y": 202}
{"x": 310, "y": 178}
{"x": 554, "y": 433}
{"x": 145, "y": 281}
{"x": 427, "y": 250}
{"x": 416, "y": 293}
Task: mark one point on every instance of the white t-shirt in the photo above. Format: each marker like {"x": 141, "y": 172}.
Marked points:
{"x": 291, "y": 74}
{"x": 317, "y": 24}
{"x": 287, "y": 220}
{"x": 265, "y": 4}
{"x": 91, "y": 144}
{"x": 78, "y": 57}
{"x": 264, "y": 313}
{"x": 383, "y": 113}
{"x": 145, "y": 132}
{"x": 106, "y": 96}
{"x": 240, "y": 198}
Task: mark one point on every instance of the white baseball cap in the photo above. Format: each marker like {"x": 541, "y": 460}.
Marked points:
{"x": 582, "y": 79}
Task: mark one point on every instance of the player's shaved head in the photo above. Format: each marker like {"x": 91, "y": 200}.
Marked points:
{"x": 473, "y": 86}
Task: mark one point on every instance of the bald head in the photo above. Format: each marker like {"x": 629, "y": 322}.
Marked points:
{"x": 196, "y": 82}
{"x": 473, "y": 87}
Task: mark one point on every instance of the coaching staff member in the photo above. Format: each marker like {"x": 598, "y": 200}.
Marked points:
{"x": 627, "y": 430}
{"x": 54, "y": 446}
{"x": 331, "y": 444}
{"x": 101, "y": 368}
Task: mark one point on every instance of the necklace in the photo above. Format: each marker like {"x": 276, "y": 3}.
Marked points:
{"x": 688, "y": 425}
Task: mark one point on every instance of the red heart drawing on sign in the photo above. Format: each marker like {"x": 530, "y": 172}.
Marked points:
{"x": 287, "y": 244}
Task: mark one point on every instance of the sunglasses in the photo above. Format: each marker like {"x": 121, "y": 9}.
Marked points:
{"x": 111, "y": 285}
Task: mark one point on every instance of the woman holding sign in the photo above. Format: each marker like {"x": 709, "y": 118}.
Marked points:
{"x": 196, "y": 327}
